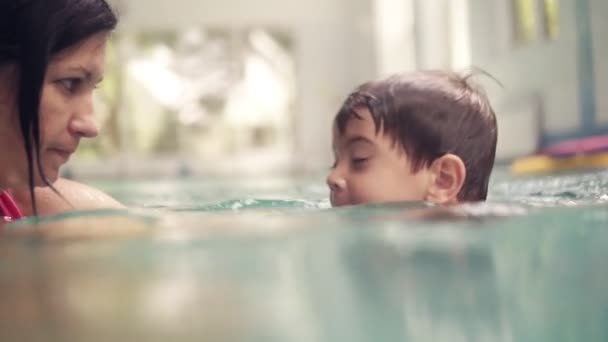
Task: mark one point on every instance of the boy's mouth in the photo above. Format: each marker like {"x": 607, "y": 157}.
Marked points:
{"x": 337, "y": 201}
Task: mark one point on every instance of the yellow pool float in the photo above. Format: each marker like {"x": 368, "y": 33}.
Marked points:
{"x": 549, "y": 164}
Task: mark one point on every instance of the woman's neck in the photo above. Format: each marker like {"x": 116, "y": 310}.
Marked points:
{"x": 10, "y": 180}
{"x": 4, "y": 185}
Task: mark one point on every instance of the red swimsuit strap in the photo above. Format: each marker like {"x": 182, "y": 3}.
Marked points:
{"x": 8, "y": 208}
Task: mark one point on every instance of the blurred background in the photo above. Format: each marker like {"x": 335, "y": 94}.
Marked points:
{"x": 217, "y": 114}
{"x": 248, "y": 87}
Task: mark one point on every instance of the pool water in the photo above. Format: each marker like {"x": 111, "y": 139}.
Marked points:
{"x": 222, "y": 260}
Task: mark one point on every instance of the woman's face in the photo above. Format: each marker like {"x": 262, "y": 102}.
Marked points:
{"x": 66, "y": 112}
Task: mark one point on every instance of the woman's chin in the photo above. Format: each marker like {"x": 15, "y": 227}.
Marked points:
{"x": 50, "y": 176}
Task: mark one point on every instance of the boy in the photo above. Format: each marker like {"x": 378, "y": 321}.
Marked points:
{"x": 423, "y": 136}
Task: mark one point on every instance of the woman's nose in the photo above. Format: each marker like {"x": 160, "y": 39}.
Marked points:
{"x": 84, "y": 126}
{"x": 83, "y": 123}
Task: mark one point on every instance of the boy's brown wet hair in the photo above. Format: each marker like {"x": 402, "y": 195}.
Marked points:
{"x": 430, "y": 114}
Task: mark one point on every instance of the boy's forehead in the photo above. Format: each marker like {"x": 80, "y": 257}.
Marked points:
{"x": 356, "y": 129}
{"x": 359, "y": 122}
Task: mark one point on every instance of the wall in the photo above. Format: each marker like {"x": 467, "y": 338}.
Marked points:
{"x": 551, "y": 86}
{"x": 599, "y": 26}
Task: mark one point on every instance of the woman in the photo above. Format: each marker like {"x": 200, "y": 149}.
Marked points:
{"x": 51, "y": 58}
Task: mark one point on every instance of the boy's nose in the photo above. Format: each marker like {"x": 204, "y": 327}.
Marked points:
{"x": 335, "y": 183}
{"x": 337, "y": 187}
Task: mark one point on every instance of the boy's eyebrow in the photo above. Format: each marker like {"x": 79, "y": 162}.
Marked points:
{"x": 358, "y": 138}
{"x": 353, "y": 140}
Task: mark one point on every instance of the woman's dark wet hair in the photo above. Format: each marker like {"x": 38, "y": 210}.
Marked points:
{"x": 429, "y": 114}
{"x": 31, "y": 33}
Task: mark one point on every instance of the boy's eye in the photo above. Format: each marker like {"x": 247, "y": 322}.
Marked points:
{"x": 359, "y": 162}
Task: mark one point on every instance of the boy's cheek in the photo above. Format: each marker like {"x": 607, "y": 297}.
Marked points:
{"x": 366, "y": 191}
{"x": 383, "y": 189}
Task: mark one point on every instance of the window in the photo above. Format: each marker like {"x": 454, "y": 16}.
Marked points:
{"x": 525, "y": 21}
{"x": 551, "y": 18}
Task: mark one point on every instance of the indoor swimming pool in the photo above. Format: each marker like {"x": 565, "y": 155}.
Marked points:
{"x": 253, "y": 260}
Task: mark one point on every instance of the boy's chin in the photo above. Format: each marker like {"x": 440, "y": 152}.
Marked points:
{"x": 339, "y": 204}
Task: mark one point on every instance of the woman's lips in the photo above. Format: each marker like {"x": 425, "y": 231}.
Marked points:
{"x": 64, "y": 153}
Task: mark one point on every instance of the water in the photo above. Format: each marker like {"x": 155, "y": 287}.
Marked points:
{"x": 251, "y": 261}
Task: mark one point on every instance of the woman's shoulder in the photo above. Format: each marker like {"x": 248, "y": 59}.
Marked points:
{"x": 82, "y": 196}
{"x": 70, "y": 195}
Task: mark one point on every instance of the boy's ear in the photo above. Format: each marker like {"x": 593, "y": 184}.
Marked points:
{"x": 447, "y": 179}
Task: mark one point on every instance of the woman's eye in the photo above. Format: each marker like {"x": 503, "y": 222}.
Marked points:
{"x": 71, "y": 84}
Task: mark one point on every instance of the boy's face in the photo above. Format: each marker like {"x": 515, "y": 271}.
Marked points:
{"x": 369, "y": 168}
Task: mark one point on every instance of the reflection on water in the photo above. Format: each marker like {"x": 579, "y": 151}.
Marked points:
{"x": 566, "y": 189}
{"x": 289, "y": 271}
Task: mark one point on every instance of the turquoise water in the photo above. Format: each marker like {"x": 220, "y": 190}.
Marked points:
{"x": 267, "y": 261}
